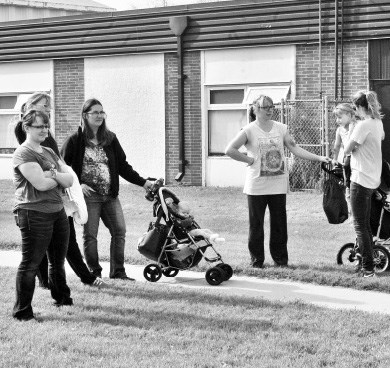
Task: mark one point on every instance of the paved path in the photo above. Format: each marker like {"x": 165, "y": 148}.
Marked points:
{"x": 276, "y": 290}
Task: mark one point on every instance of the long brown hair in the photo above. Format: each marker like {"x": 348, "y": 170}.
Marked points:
{"x": 104, "y": 135}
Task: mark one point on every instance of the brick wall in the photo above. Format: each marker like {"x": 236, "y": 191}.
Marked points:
{"x": 192, "y": 118}
{"x": 68, "y": 96}
{"x": 355, "y": 70}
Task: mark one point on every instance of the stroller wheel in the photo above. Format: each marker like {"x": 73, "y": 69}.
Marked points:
{"x": 381, "y": 258}
{"x": 152, "y": 272}
{"x": 215, "y": 275}
{"x": 227, "y": 269}
{"x": 347, "y": 255}
{"x": 170, "y": 272}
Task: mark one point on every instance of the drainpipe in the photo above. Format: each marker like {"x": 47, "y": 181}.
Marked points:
{"x": 320, "y": 45}
{"x": 336, "y": 47}
{"x": 342, "y": 52}
{"x": 178, "y": 26}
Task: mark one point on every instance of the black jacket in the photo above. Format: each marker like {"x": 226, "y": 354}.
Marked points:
{"x": 73, "y": 151}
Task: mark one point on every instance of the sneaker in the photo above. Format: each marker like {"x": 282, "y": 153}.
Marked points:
{"x": 368, "y": 273}
{"x": 123, "y": 278}
{"x": 99, "y": 283}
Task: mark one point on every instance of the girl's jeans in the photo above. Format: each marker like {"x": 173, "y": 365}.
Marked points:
{"x": 257, "y": 205}
{"x": 361, "y": 210}
{"x": 108, "y": 209}
{"x": 38, "y": 229}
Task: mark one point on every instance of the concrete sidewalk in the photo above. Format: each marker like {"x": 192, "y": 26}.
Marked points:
{"x": 275, "y": 290}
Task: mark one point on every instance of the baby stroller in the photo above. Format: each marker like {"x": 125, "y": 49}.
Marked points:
{"x": 349, "y": 254}
{"x": 169, "y": 243}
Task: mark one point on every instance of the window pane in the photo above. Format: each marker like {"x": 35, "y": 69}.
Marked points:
{"x": 7, "y": 135}
{"x": 223, "y": 127}
{"x": 227, "y": 96}
{"x": 7, "y": 102}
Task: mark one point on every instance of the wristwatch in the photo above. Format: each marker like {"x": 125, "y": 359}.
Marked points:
{"x": 53, "y": 172}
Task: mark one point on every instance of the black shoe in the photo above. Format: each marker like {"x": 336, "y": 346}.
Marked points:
{"x": 25, "y": 319}
{"x": 123, "y": 278}
{"x": 280, "y": 265}
{"x": 63, "y": 302}
{"x": 257, "y": 265}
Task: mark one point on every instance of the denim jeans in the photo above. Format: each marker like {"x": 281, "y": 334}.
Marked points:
{"x": 41, "y": 233}
{"x": 257, "y": 205}
{"x": 108, "y": 209}
{"x": 361, "y": 212}
{"x": 74, "y": 258}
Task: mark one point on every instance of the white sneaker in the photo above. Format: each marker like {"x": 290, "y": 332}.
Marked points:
{"x": 99, "y": 283}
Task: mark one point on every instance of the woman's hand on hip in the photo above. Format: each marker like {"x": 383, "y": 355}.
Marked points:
{"x": 86, "y": 190}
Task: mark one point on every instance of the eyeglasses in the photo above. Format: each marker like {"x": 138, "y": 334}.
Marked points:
{"x": 95, "y": 114}
{"x": 267, "y": 108}
{"x": 41, "y": 127}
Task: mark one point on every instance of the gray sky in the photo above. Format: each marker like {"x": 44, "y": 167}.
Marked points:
{"x": 142, "y": 4}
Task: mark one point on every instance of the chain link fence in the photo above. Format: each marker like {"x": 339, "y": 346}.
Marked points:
{"x": 312, "y": 124}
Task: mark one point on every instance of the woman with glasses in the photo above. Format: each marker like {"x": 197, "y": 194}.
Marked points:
{"x": 98, "y": 159}
{"x": 42, "y": 101}
{"x": 267, "y": 180}
{"x": 39, "y": 177}
{"x": 364, "y": 145}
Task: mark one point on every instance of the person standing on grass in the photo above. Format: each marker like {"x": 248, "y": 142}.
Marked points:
{"x": 346, "y": 120}
{"x": 42, "y": 101}
{"x": 267, "y": 180}
{"x": 96, "y": 156}
{"x": 39, "y": 176}
{"x": 364, "y": 145}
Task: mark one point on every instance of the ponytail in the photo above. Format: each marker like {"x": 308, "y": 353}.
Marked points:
{"x": 369, "y": 101}
{"x": 373, "y": 105}
{"x": 20, "y": 134}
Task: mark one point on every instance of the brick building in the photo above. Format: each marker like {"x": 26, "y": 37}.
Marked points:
{"x": 171, "y": 122}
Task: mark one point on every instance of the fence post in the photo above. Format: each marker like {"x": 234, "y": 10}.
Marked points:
{"x": 326, "y": 126}
{"x": 282, "y": 111}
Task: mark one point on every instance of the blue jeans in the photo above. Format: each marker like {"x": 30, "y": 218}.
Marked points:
{"x": 41, "y": 233}
{"x": 257, "y": 205}
{"x": 361, "y": 211}
{"x": 108, "y": 209}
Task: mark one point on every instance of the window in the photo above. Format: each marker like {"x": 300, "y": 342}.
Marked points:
{"x": 10, "y": 106}
{"x": 228, "y": 111}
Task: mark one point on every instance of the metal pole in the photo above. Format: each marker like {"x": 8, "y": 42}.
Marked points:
{"x": 326, "y": 127}
{"x": 320, "y": 46}
{"x": 336, "y": 48}
{"x": 342, "y": 52}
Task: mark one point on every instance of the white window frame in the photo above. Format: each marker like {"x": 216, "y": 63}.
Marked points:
{"x": 221, "y": 107}
{"x": 283, "y": 89}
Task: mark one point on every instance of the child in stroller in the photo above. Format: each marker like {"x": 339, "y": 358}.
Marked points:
{"x": 349, "y": 253}
{"x": 176, "y": 242}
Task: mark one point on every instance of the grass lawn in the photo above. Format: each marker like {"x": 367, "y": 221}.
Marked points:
{"x": 313, "y": 242}
{"x": 154, "y": 325}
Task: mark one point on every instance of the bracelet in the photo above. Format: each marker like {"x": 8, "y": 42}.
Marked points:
{"x": 53, "y": 172}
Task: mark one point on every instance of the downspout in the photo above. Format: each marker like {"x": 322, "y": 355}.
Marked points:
{"x": 178, "y": 26}
{"x": 320, "y": 45}
{"x": 336, "y": 47}
{"x": 342, "y": 52}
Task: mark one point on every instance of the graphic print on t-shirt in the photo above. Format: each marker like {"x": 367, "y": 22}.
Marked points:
{"x": 271, "y": 156}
